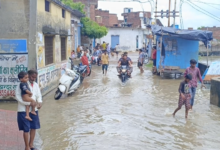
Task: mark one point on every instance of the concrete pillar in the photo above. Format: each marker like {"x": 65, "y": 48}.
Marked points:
{"x": 215, "y": 91}
{"x": 32, "y": 57}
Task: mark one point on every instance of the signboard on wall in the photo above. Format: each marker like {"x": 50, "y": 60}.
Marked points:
{"x": 10, "y": 66}
{"x": 13, "y": 46}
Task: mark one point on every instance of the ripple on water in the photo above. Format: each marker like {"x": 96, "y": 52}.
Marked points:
{"x": 103, "y": 115}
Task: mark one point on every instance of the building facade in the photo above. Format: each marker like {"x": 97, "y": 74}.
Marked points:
{"x": 34, "y": 35}
{"x": 128, "y": 39}
{"x": 130, "y": 33}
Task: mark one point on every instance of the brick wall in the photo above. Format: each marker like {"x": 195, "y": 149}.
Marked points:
{"x": 92, "y": 4}
{"x": 104, "y": 14}
{"x": 134, "y": 19}
{"x": 113, "y": 19}
{"x": 92, "y": 12}
{"x": 215, "y": 30}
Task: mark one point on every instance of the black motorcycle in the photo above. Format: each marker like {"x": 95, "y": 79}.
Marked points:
{"x": 124, "y": 74}
{"x": 81, "y": 70}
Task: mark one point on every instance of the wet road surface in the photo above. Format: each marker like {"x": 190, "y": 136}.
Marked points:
{"x": 103, "y": 115}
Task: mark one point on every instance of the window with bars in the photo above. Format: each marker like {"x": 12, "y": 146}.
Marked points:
{"x": 63, "y": 13}
{"x": 48, "y": 42}
{"x": 47, "y": 6}
{"x": 63, "y": 48}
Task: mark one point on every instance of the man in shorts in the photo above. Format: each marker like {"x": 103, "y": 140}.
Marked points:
{"x": 29, "y": 127}
{"x": 105, "y": 62}
{"x": 141, "y": 60}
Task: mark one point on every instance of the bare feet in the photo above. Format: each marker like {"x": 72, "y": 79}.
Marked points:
{"x": 27, "y": 148}
{"x": 33, "y": 112}
{"x": 28, "y": 118}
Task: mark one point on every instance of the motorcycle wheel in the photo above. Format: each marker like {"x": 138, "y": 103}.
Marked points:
{"x": 58, "y": 94}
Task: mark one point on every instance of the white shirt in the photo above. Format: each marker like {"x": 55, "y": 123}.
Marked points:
{"x": 36, "y": 96}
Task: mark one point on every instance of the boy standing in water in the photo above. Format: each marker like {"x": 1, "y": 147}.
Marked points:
{"x": 185, "y": 96}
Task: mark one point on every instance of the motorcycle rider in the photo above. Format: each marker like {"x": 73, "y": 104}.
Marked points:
{"x": 85, "y": 61}
{"x": 87, "y": 55}
{"x": 124, "y": 62}
{"x": 126, "y": 53}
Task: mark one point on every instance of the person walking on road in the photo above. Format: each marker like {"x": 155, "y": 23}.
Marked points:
{"x": 90, "y": 49}
{"x": 195, "y": 72}
{"x": 78, "y": 52}
{"x": 103, "y": 46}
{"x": 108, "y": 49}
{"x": 141, "y": 60}
{"x": 29, "y": 127}
{"x": 185, "y": 96}
{"x": 154, "y": 57}
{"x": 105, "y": 62}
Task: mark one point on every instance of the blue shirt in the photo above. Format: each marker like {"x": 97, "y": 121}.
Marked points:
{"x": 141, "y": 56}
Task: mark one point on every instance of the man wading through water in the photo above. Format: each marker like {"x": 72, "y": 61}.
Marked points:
{"x": 195, "y": 72}
{"x": 105, "y": 62}
{"x": 23, "y": 124}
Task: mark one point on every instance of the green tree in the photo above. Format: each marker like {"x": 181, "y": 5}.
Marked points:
{"x": 78, "y": 6}
{"x": 90, "y": 28}
{"x": 200, "y": 28}
{"x": 93, "y": 29}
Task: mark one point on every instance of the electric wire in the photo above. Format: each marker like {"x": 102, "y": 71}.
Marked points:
{"x": 209, "y": 4}
{"x": 208, "y": 14}
{"x": 206, "y": 2}
{"x": 203, "y": 9}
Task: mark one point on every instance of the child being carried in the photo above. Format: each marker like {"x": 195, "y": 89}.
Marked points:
{"x": 26, "y": 94}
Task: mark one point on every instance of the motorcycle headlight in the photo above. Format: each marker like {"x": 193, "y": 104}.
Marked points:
{"x": 123, "y": 70}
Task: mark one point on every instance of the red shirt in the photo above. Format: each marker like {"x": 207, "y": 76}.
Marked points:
{"x": 155, "y": 54}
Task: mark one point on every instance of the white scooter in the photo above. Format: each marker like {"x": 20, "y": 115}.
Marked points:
{"x": 68, "y": 83}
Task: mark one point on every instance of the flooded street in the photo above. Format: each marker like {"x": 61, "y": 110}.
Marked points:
{"x": 103, "y": 115}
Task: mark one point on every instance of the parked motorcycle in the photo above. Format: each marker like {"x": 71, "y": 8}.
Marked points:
{"x": 68, "y": 83}
{"x": 124, "y": 74}
{"x": 94, "y": 60}
{"x": 81, "y": 71}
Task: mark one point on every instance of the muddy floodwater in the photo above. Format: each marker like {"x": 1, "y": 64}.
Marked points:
{"x": 103, "y": 115}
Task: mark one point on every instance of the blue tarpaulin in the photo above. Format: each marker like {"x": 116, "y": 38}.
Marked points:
{"x": 197, "y": 35}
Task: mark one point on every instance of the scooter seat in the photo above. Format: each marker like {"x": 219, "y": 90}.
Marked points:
{"x": 81, "y": 68}
{"x": 74, "y": 80}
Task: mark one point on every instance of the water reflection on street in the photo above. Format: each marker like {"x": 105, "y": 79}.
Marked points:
{"x": 103, "y": 115}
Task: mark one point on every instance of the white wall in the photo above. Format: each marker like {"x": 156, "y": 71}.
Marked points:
{"x": 127, "y": 38}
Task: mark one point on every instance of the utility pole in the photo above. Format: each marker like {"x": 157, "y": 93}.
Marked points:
{"x": 156, "y": 11}
{"x": 174, "y": 19}
{"x": 169, "y": 15}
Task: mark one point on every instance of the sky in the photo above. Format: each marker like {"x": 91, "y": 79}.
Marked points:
{"x": 191, "y": 17}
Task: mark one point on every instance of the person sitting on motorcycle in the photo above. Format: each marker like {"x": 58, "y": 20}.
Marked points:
{"x": 87, "y": 55}
{"x": 121, "y": 58}
{"x": 124, "y": 62}
{"x": 126, "y": 53}
{"x": 85, "y": 61}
